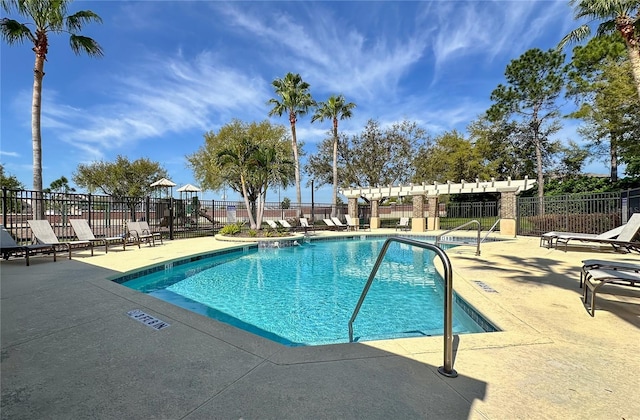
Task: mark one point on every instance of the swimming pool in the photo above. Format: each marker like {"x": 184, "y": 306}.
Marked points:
{"x": 305, "y": 295}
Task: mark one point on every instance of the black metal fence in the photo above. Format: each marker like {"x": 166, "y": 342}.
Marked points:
{"x": 456, "y": 214}
{"x": 580, "y": 213}
{"x": 108, "y": 216}
{"x": 192, "y": 217}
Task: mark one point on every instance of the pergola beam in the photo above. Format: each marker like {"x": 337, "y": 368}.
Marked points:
{"x": 462, "y": 187}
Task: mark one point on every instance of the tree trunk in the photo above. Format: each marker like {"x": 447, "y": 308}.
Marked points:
{"x": 36, "y": 136}
{"x": 294, "y": 145}
{"x": 334, "y": 196}
{"x": 540, "y": 177}
{"x": 613, "y": 153}
{"x": 250, "y": 206}
{"x": 634, "y": 59}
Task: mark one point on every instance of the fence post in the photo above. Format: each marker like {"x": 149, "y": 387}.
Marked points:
{"x": 89, "y": 216}
{"x": 4, "y": 206}
{"x": 171, "y": 218}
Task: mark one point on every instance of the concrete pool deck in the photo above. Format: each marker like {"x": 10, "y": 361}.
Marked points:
{"x": 69, "y": 350}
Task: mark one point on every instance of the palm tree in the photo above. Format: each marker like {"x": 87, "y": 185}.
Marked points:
{"x": 255, "y": 166}
{"x": 615, "y": 15}
{"x": 334, "y": 108}
{"x": 294, "y": 99}
{"x": 47, "y": 17}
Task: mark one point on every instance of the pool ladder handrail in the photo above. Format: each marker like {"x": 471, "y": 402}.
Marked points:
{"x": 478, "y": 242}
{"x": 490, "y": 230}
{"x": 447, "y": 369}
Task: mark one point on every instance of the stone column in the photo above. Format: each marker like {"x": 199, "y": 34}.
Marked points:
{"x": 375, "y": 218}
{"x": 418, "y": 220}
{"x": 433, "y": 215}
{"x": 353, "y": 210}
{"x": 508, "y": 222}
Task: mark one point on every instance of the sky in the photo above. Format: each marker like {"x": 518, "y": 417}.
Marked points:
{"x": 174, "y": 70}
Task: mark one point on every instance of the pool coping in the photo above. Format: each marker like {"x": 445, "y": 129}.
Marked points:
{"x": 473, "y": 313}
{"x": 512, "y": 331}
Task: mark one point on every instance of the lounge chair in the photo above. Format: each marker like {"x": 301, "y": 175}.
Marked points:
{"x": 596, "y": 278}
{"x": 547, "y": 239}
{"x": 305, "y": 224}
{"x": 136, "y": 234}
{"x": 272, "y": 224}
{"x": 329, "y": 222}
{"x": 8, "y": 247}
{"x": 353, "y": 225}
{"x": 592, "y": 264}
{"x": 623, "y": 241}
{"x": 403, "y": 224}
{"x": 146, "y": 230}
{"x": 44, "y": 234}
{"x": 285, "y": 224}
{"x": 339, "y": 224}
{"x": 84, "y": 233}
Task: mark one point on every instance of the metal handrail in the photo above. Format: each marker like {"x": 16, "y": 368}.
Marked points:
{"x": 447, "y": 369}
{"x": 490, "y": 230}
{"x": 460, "y": 227}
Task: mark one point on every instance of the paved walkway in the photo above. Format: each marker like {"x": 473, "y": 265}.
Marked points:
{"x": 69, "y": 351}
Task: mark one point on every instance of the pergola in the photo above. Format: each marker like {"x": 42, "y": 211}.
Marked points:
{"x": 430, "y": 193}
{"x": 462, "y": 187}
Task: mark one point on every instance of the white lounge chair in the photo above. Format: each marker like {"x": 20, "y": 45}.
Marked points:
{"x": 146, "y": 230}
{"x": 137, "y": 235}
{"x": 403, "y": 224}
{"x": 84, "y": 233}
{"x": 596, "y": 278}
{"x": 355, "y": 226}
{"x": 592, "y": 264}
{"x": 623, "y": 241}
{"x": 272, "y": 224}
{"x": 339, "y": 223}
{"x": 547, "y": 238}
{"x": 329, "y": 222}
{"x": 285, "y": 224}
{"x": 8, "y": 247}
{"x": 44, "y": 234}
{"x": 305, "y": 224}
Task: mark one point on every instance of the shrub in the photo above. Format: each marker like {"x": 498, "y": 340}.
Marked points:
{"x": 231, "y": 229}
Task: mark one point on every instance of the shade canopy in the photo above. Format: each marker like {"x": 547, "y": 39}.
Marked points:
{"x": 189, "y": 188}
{"x": 163, "y": 182}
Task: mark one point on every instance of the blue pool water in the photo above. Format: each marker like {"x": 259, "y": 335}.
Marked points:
{"x": 305, "y": 295}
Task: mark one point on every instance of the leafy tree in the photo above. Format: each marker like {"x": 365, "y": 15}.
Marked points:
{"x": 121, "y": 179}
{"x": 601, "y": 82}
{"x": 294, "y": 99}
{"x": 47, "y": 17}
{"x": 374, "y": 157}
{"x": 450, "y": 158}
{"x": 60, "y": 185}
{"x": 249, "y": 158}
{"x": 572, "y": 159}
{"x": 334, "y": 108}
{"x": 503, "y": 151}
{"x": 58, "y": 193}
{"x": 9, "y": 182}
{"x": 622, "y": 16}
{"x": 534, "y": 82}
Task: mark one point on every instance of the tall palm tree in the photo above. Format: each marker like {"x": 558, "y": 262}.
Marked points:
{"x": 334, "y": 108}
{"x": 47, "y": 17}
{"x": 615, "y": 15}
{"x": 294, "y": 99}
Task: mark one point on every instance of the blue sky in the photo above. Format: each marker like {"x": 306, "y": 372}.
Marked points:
{"x": 174, "y": 70}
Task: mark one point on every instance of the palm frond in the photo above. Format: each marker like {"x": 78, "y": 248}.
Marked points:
{"x": 15, "y": 32}
{"x": 576, "y": 35}
{"x": 74, "y": 22}
{"x": 85, "y": 44}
